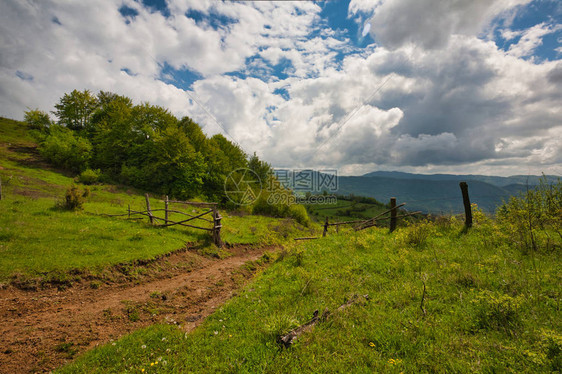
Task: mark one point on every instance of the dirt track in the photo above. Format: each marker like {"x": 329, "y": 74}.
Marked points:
{"x": 41, "y": 330}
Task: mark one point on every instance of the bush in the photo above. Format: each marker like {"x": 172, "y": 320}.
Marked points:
{"x": 62, "y": 148}
{"x": 417, "y": 234}
{"x": 497, "y": 312}
{"x": 280, "y": 208}
{"x": 89, "y": 176}
{"x": 299, "y": 214}
{"x": 533, "y": 220}
{"x": 74, "y": 199}
{"x": 37, "y": 120}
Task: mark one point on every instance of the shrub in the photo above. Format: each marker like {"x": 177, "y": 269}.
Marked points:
{"x": 268, "y": 206}
{"x": 417, "y": 234}
{"x": 74, "y": 199}
{"x": 533, "y": 220}
{"x": 37, "y": 120}
{"x": 89, "y": 176}
{"x": 64, "y": 149}
{"x": 299, "y": 214}
{"x": 497, "y": 312}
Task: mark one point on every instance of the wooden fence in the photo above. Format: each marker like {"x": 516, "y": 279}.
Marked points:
{"x": 363, "y": 224}
{"x": 366, "y": 223}
{"x": 210, "y": 209}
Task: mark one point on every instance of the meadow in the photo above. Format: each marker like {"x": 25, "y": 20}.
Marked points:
{"x": 431, "y": 299}
{"x": 432, "y": 296}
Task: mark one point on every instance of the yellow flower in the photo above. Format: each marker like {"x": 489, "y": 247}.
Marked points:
{"x": 371, "y": 344}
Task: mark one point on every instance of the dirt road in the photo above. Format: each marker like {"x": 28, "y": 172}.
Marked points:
{"x": 41, "y": 330}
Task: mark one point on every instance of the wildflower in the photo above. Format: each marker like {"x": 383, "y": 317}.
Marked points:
{"x": 163, "y": 339}
{"x": 371, "y": 344}
{"x": 143, "y": 346}
{"x": 215, "y": 332}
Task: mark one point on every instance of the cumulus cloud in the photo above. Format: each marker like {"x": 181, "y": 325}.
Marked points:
{"x": 430, "y": 24}
{"x": 406, "y": 102}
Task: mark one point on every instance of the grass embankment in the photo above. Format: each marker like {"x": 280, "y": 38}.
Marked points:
{"x": 37, "y": 239}
{"x": 487, "y": 307}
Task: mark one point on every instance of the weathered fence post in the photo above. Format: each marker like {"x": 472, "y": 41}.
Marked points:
{"x": 166, "y": 202}
{"x": 466, "y": 202}
{"x": 393, "y": 214}
{"x": 325, "y": 227}
{"x": 217, "y": 227}
{"x": 148, "y": 209}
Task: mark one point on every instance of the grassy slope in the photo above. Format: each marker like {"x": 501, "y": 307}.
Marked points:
{"x": 486, "y": 309}
{"x": 36, "y": 238}
{"x": 344, "y": 210}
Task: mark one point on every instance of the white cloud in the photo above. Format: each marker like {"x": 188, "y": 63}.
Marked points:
{"x": 468, "y": 104}
{"x": 430, "y": 24}
{"x": 531, "y": 39}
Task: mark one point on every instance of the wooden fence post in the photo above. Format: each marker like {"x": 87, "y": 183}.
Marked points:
{"x": 325, "y": 227}
{"x": 217, "y": 227}
{"x": 148, "y": 209}
{"x": 166, "y": 202}
{"x": 466, "y": 202}
{"x": 393, "y": 214}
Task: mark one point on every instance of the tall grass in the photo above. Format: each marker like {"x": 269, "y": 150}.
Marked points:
{"x": 480, "y": 311}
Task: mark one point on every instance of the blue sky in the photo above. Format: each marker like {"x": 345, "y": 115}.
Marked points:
{"x": 435, "y": 86}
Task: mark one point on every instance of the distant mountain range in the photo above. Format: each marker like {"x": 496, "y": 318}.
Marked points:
{"x": 437, "y": 193}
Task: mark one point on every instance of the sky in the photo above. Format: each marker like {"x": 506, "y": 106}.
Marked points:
{"x": 433, "y": 86}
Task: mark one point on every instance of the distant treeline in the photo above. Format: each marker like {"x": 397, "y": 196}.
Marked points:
{"x": 105, "y": 137}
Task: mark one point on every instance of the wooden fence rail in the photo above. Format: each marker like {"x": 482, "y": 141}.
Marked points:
{"x": 167, "y": 222}
{"x": 366, "y": 223}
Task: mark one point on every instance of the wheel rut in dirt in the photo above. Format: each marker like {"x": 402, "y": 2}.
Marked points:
{"x": 42, "y": 330}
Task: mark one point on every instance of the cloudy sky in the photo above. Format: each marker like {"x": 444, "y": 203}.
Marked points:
{"x": 422, "y": 86}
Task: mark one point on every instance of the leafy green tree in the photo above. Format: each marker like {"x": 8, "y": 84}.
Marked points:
{"x": 195, "y": 134}
{"x": 262, "y": 169}
{"x": 75, "y": 109}
{"x": 37, "y": 120}
{"x": 113, "y": 137}
{"x": 223, "y": 157}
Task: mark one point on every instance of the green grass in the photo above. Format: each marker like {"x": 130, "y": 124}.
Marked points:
{"x": 38, "y": 240}
{"x": 345, "y": 210}
{"x": 487, "y": 308}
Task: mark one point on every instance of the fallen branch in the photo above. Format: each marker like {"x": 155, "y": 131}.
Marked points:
{"x": 288, "y": 339}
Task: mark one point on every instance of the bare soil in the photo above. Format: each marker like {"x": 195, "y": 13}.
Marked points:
{"x": 43, "y": 329}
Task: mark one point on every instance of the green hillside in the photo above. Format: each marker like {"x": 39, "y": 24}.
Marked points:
{"x": 40, "y": 242}
{"x": 425, "y": 299}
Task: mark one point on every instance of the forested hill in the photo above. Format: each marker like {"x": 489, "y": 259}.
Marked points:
{"x": 432, "y": 196}
{"x": 531, "y": 180}
{"x": 105, "y": 137}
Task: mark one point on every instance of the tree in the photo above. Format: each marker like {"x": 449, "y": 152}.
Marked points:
{"x": 261, "y": 168}
{"x": 37, "y": 119}
{"x": 75, "y": 109}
